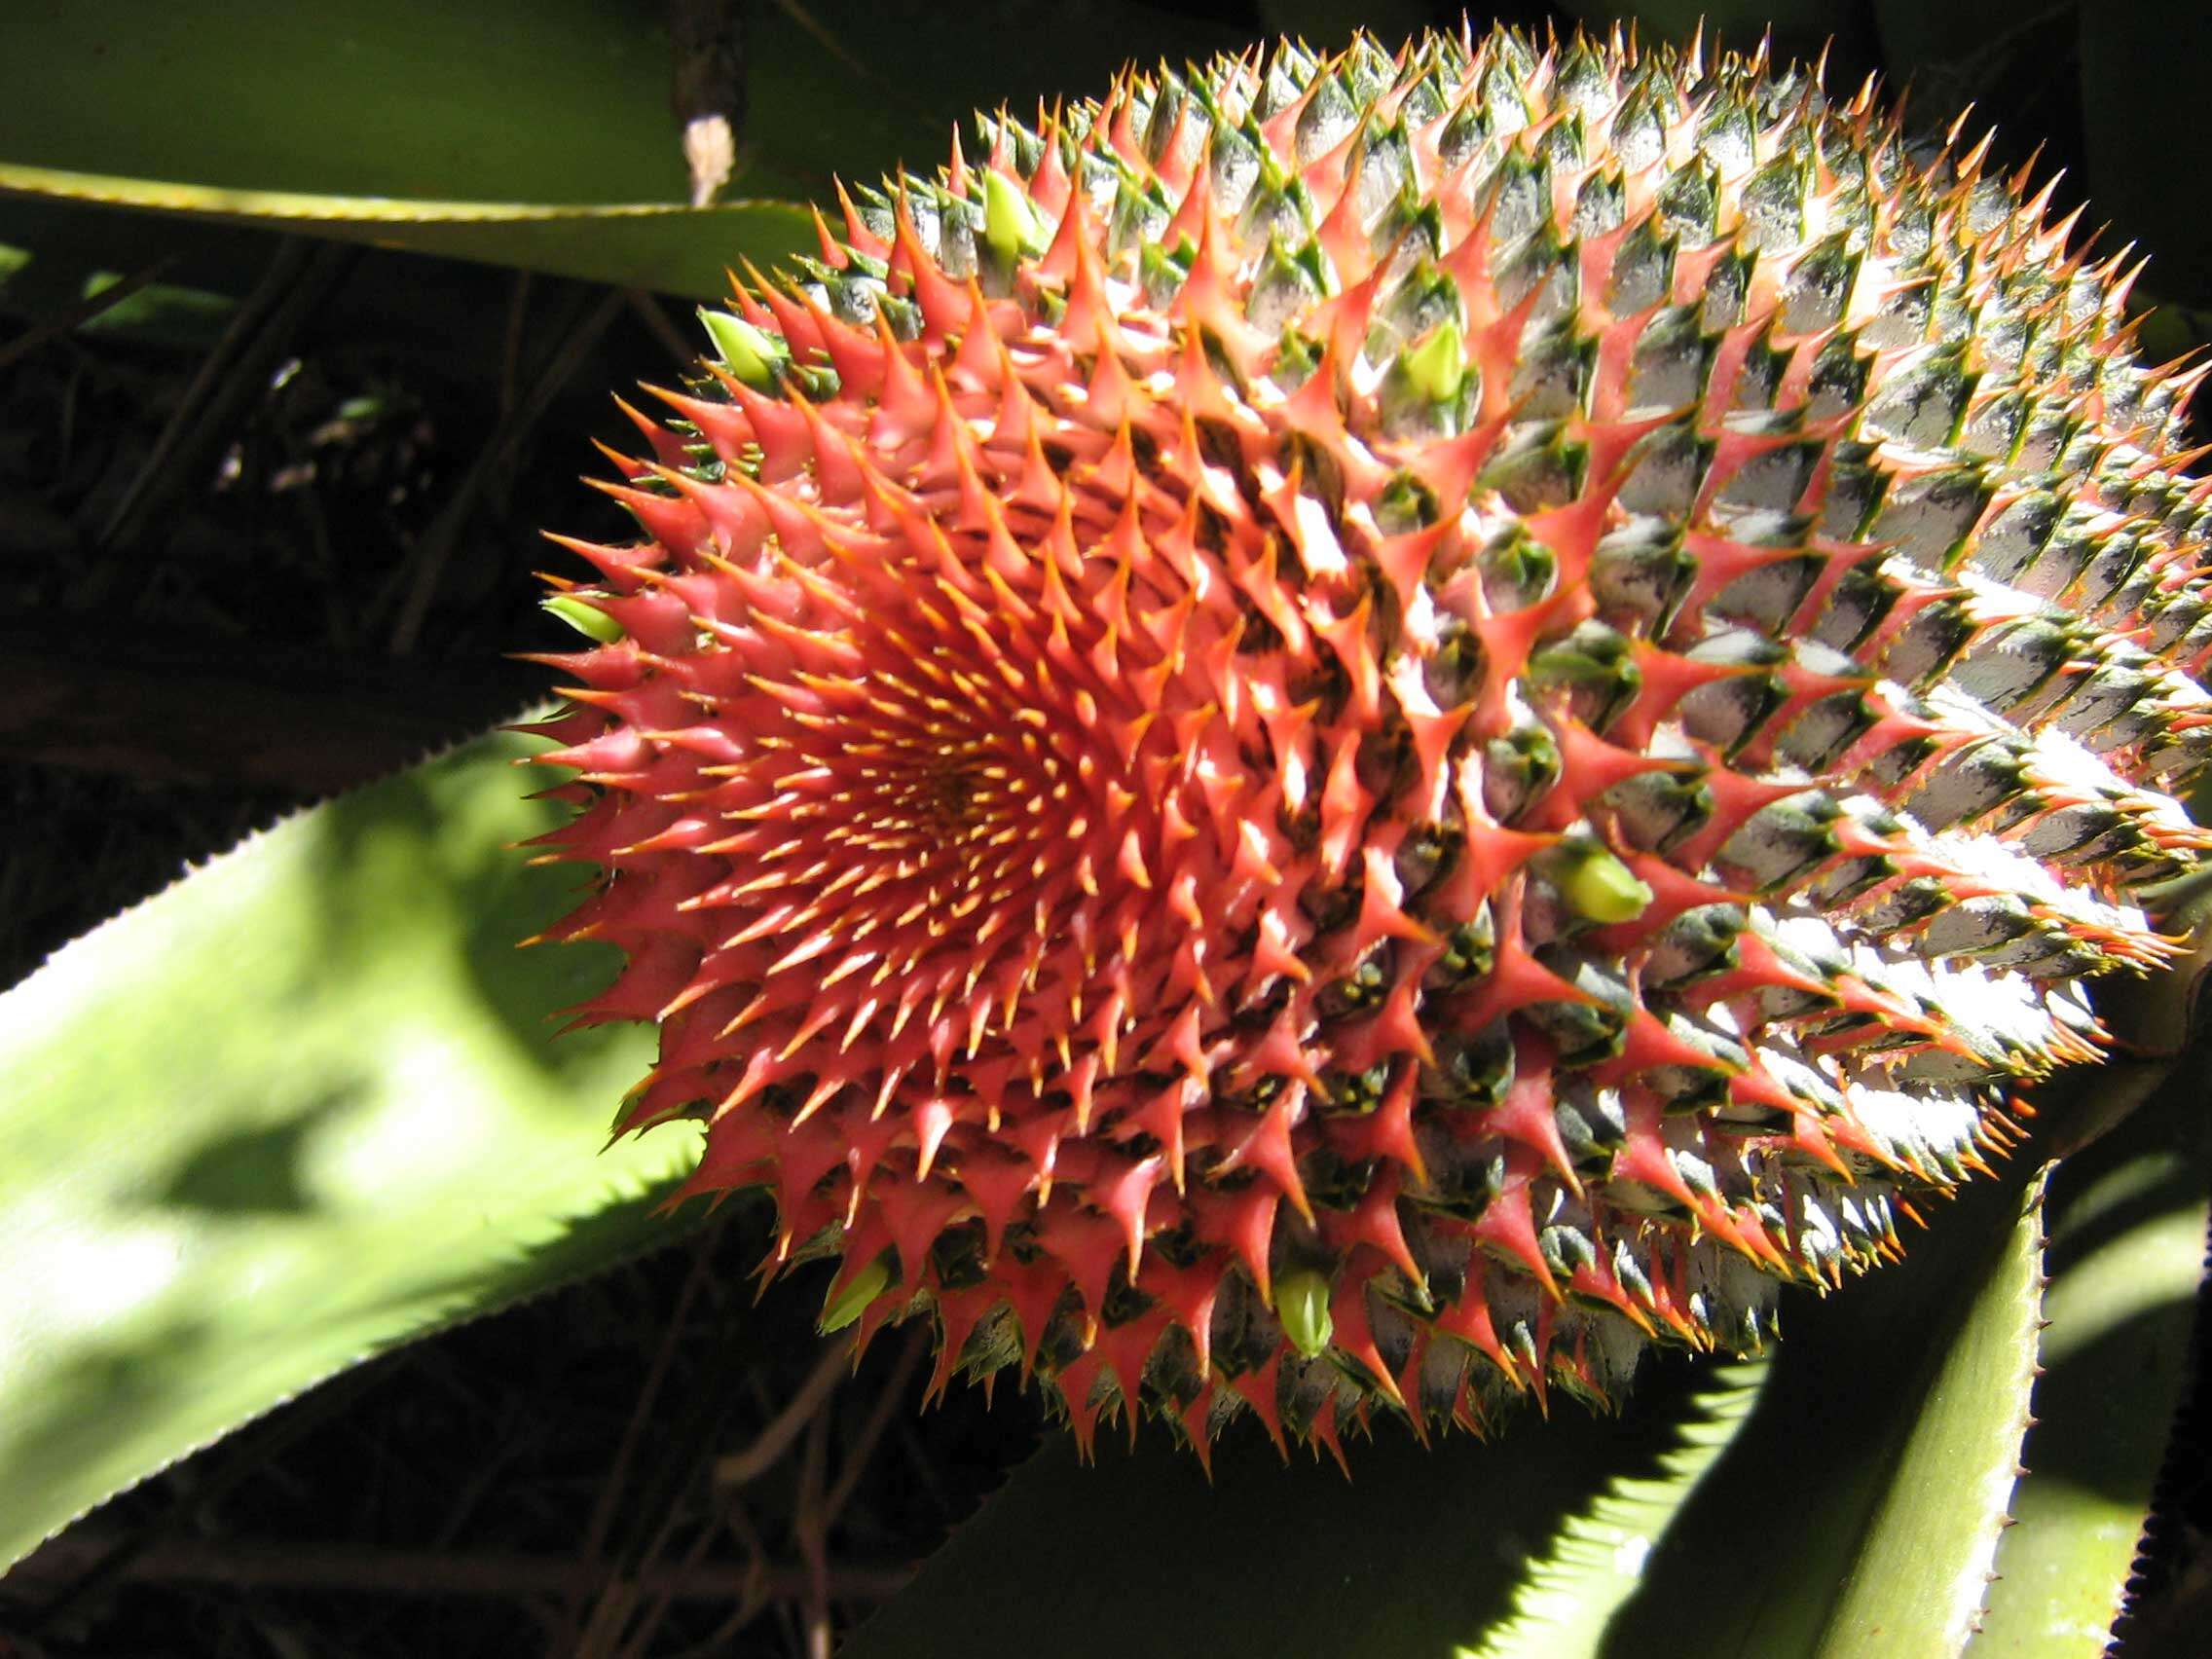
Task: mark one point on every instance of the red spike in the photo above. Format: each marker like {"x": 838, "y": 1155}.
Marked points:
{"x": 1242, "y": 1220}
{"x": 1507, "y": 1228}
{"x": 945, "y": 304}
{"x": 1257, "y": 1389}
{"x": 858, "y": 359}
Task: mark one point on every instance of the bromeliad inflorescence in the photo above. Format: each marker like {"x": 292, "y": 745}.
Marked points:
{"x": 1357, "y": 734}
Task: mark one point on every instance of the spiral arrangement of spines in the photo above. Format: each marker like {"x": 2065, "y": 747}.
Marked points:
{"x": 1354, "y": 733}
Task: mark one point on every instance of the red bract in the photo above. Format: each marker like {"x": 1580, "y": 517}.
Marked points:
{"x": 1355, "y": 734}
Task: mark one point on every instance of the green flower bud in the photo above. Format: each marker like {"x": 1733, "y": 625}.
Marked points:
{"x": 1010, "y": 222}
{"x": 584, "y": 617}
{"x": 1302, "y": 1303}
{"x": 1596, "y": 885}
{"x": 1438, "y": 365}
{"x": 755, "y": 357}
{"x": 850, "y": 1299}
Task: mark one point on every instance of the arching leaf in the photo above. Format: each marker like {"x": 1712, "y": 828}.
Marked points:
{"x": 301, "y": 1107}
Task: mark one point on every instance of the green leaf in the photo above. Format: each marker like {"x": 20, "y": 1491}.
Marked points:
{"x": 1574, "y": 1592}
{"x": 753, "y": 358}
{"x": 1855, "y": 1510}
{"x": 528, "y": 100}
{"x": 1302, "y": 1303}
{"x": 1423, "y": 1550}
{"x": 640, "y": 245}
{"x": 1012, "y": 223}
{"x": 2128, "y": 1221}
{"x": 527, "y": 133}
{"x": 848, "y": 1301}
{"x": 585, "y": 618}
{"x": 1923, "y": 1565}
{"x": 1850, "y": 1505}
{"x": 1896, "y": 1403}
{"x": 301, "y": 1107}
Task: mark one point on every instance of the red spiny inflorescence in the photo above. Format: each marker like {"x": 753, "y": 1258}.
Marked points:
{"x": 1355, "y": 733}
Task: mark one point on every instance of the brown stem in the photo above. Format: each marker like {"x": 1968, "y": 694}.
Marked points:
{"x": 741, "y": 1466}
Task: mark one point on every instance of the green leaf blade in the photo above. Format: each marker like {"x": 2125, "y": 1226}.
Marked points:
{"x": 299, "y": 1108}
{"x": 655, "y": 246}
{"x": 533, "y": 133}
{"x": 1572, "y": 1595}
{"x": 1424, "y": 1551}
{"x": 1924, "y": 1567}
{"x": 1719, "y": 1517}
{"x": 2126, "y": 1260}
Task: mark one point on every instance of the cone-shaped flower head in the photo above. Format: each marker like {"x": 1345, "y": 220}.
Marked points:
{"x": 1355, "y": 734}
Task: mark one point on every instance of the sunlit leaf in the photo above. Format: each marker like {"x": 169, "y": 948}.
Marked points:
{"x": 1922, "y": 1567}
{"x": 2126, "y": 1256}
{"x": 1853, "y": 1511}
{"x": 1572, "y": 1591}
{"x": 301, "y": 1107}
